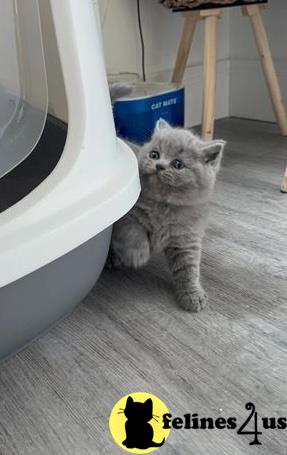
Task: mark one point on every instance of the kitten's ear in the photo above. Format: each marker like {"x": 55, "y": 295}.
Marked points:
{"x": 129, "y": 401}
{"x": 148, "y": 404}
{"x": 162, "y": 124}
{"x": 212, "y": 152}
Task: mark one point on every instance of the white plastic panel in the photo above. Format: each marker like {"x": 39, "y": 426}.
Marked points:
{"x": 96, "y": 180}
{"x": 23, "y": 82}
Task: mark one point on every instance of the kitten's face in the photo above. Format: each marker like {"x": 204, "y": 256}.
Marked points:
{"x": 176, "y": 157}
{"x": 138, "y": 411}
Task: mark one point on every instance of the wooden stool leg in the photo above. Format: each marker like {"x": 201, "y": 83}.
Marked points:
{"x": 209, "y": 78}
{"x": 184, "y": 46}
{"x": 254, "y": 12}
{"x": 284, "y": 182}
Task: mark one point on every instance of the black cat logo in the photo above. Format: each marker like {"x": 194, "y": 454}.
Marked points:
{"x": 137, "y": 425}
{"x": 139, "y": 432}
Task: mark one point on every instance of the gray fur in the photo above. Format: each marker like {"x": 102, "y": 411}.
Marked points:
{"x": 171, "y": 213}
{"x": 119, "y": 89}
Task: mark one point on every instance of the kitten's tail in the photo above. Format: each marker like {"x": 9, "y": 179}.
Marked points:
{"x": 158, "y": 444}
{"x": 119, "y": 89}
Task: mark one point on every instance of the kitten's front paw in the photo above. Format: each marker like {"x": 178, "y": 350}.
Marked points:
{"x": 193, "y": 301}
{"x": 113, "y": 261}
{"x": 129, "y": 445}
{"x": 137, "y": 257}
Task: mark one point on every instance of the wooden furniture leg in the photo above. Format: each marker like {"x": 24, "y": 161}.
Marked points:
{"x": 284, "y": 182}
{"x": 209, "y": 83}
{"x": 254, "y": 12}
{"x": 184, "y": 46}
{"x": 209, "y": 69}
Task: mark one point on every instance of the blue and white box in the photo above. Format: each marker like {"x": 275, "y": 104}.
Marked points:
{"x": 136, "y": 115}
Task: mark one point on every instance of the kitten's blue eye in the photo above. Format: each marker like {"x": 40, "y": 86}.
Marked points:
{"x": 154, "y": 155}
{"x": 177, "y": 164}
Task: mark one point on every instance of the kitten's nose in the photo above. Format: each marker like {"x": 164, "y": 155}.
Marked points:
{"x": 159, "y": 167}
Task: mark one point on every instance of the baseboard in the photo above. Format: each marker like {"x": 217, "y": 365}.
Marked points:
{"x": 249, "y": 97}
{"x": 241, "y": 90}
{"x": 194, "y": 88}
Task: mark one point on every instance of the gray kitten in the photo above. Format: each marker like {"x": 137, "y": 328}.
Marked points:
{"x": 178, "y": 172}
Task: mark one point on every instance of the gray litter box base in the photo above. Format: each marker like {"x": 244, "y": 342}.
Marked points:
{"x": 32, "y": 304}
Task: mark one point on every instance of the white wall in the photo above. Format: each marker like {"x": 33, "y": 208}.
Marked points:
{"x": 241, "y": 89}
{"x": 248, "y": 93}
{"x": 162, "y": 29}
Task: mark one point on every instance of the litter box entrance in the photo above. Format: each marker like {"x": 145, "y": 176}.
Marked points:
{"x": 23, "y": 81}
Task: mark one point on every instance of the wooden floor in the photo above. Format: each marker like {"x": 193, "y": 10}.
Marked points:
{"x": 56, "y": 396}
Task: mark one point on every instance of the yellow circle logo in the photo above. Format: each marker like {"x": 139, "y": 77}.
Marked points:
{"x": 136, "y": 423}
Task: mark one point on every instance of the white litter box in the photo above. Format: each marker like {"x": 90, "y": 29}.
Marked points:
{"x": 54, "y": 241}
